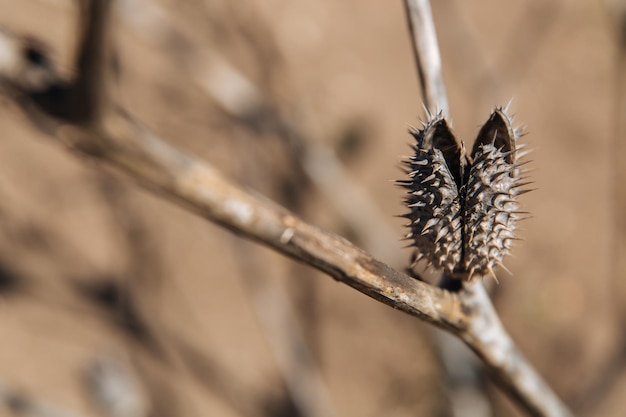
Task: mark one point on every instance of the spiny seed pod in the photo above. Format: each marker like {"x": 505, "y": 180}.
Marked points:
{"x": 436, "y": 224}
{"x": 463, "y": 211}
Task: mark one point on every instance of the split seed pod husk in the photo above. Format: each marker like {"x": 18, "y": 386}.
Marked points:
{"x": 463, "y": 210}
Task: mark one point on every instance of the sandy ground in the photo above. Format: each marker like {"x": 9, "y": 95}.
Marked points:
{"x": 92, "y": 266}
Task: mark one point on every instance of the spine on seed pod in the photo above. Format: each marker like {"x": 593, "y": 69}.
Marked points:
{"x": 491, "y": 206}
{"x": 435, "y": 221}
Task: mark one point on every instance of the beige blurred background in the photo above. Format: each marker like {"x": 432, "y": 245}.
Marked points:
{"x": 96, "y": 273}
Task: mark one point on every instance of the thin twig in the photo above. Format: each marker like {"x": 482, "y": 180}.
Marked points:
{"x": 423, "y": 37}
{"x": 485, "y": 334}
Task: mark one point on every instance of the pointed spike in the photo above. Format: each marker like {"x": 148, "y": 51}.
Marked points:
{"x": 519, "y": 131}
{"x": 428, "y": 178}
{"x": 507, "y": 106}
{"x": 522, "y": 184}
{"x": 527, "y": 190}
{"x": 522, "y": 218}
{"x": 493, "y": 274}
{"x": 421, "y": 162}
{"x": 429, "y": 116}
{"x": 430, "y": 223}
{"x": 522, "y": 154}
{"x": 521, "y": 163}
{"x": 525, "y": 171}
{"x": 470, "y": 274}
{"x": 501, "y": 265}
{"x": 418, "y": 257}
{"x": 515, "y": 152}
{"x": 441, "y": 233}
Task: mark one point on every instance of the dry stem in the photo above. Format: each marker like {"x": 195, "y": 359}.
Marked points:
{"x": 485, "y": 333}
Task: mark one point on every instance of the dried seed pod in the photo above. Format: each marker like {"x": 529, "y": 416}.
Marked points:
{"x": 491, "y": 208}
{"x": 433, "y": 197}
{"x": 463, "y": 220}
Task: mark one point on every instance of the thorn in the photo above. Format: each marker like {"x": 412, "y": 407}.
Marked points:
{"x": 507, "y": 106}
{"x": 522, "y": 218}
{"x": 501, "y": 265}
{"x": 527, "y": 190}
{"x": 437, "y": 167}
{"x": 522, "y": 163}
{"x": 429, "y": 116}
{"x": 522, "y": 154}
{"x": 441, "y": 233}
{"x": 416, "y": 258}
{"x": 507, "y": 201}
{"x": 421, "y": 162}
{"x": 428, "y": 178}
{"x": 470, "y": 274}
{"x": 528, "y": 170}
{"x": 430, "y": 223}
{"x": 493, "y": 274}
{"x": 408, "y": 184}
{"x": 522, "y": 184}
{"x": 511, "y": 152}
